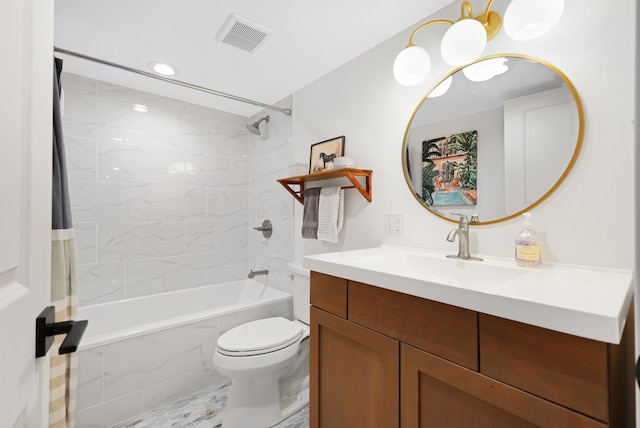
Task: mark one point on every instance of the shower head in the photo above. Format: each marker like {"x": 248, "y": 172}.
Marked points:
{"x": 254, "y": 128}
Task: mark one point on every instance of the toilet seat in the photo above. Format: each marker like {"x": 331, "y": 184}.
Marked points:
{"x": 260, "y": 337}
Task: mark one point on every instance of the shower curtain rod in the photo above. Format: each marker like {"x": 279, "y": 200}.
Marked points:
{"x": 285, "y": 111}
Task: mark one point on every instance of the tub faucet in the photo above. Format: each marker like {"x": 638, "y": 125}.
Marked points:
{"x": 253, "y": 273}
{"x": 462, "y": 232}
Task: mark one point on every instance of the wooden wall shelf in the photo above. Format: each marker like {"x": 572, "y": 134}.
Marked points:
{"x": 351, "y": 174}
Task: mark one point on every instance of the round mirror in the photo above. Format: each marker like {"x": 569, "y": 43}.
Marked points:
{"x": 494, "y": 138}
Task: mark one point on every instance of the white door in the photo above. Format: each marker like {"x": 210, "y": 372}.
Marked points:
{"x": 533, "y": 126}
{"x": 26, "y": 73}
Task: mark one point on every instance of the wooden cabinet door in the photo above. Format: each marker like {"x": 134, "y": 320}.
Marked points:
{"x": 438, "y": 393}
{"x": 354, "y": 375}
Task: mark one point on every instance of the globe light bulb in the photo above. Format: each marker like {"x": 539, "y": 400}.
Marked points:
{"x": 530, "y": 19}
{"x": 411, "y": 66}
{"x": 463, "y": 42}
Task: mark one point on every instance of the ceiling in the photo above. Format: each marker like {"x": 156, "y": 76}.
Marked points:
{"x": 308, "y": 40}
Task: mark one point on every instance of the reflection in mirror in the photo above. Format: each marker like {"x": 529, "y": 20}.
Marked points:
{"x": 494, "y": 138}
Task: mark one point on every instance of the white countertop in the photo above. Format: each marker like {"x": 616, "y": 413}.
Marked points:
{"x": 582, "y": 301}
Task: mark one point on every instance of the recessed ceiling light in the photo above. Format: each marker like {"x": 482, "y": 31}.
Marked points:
{"x": 162, "y": 68}
{"x": 140, "y": 107}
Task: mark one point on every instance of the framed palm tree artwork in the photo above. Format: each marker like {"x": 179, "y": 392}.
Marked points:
{"x": 450, "y": 170}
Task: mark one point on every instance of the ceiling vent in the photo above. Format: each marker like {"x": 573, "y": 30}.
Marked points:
{"x": 241, "y": 33}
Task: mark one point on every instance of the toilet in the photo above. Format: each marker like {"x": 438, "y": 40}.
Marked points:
{"x": 268, "y": 363}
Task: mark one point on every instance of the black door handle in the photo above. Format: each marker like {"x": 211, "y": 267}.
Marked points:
{"x": 46, "y": 328}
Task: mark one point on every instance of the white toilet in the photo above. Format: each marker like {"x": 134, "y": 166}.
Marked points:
{"x": 268, "y": 363}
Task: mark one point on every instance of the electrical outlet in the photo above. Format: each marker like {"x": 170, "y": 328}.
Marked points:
{"x": 394, "y": 224}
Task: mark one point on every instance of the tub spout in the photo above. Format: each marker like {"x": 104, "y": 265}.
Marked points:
{"x": 253, "y": 273}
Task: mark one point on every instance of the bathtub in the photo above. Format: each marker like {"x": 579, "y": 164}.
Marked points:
{"x": 140, "y": 353}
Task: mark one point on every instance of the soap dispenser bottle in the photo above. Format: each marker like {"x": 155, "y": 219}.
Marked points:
{"x": 528, "y": 245}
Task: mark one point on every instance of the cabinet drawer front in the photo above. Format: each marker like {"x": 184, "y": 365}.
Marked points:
{"x": 447, "y": 331}
{"x": 442, "y": 394}
{"x": 329, "y": 293}
{"x": 568, "y": 370}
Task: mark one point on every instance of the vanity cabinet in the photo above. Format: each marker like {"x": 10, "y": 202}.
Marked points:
{"x": 380, "y": 358}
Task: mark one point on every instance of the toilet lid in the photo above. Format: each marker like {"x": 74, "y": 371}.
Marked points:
{"x": 259, "y": 337}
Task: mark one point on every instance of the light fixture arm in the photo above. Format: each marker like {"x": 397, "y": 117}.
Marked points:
{"x": 465, "y": 10}
{"x": 425, "y": 25}
{"x": 490, "y": 20}
{"x": 488, "y": 10}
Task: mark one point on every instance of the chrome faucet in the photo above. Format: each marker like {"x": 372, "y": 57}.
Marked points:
{"x": 253, "y": 273}
{"x": 462, "y": 232}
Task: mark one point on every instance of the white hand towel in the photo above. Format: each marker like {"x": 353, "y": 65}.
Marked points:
{"x": 330, "y": 213}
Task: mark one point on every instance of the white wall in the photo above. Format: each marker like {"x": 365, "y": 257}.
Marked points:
{"x": 362, "y": 101}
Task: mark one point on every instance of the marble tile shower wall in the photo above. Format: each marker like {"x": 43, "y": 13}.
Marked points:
{"x": 160, "y": 199}
{"x": 271, "y": 157}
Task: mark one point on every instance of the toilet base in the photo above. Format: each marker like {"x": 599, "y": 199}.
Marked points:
{"x": 290, "y": 404}
{"x": 256, "y": 408}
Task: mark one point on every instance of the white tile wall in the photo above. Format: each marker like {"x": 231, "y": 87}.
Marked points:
{"x": 216, "y": 236}
{"x": 218, "y": 171}
{"x": 86, "y": 248}
{"x": 227, "y": 266}
{"x": 123, "y": 241}
{"x": 270, "y": 160}
{"x": 137, "y": 163}
{"x": 151, "y": 276}
{"x": 157, "y": 202}
{"x": 226, "y": 204}
{"x": 81, "y": 158}
{"x": 160, "y": 200}
{"x": 101, "y": 282}
{"x": 97, "y": 201}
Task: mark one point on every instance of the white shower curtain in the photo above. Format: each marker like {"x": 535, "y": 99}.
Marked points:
{"x": 63, "y": 368}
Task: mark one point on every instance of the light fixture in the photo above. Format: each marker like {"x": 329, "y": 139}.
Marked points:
{"x": 466, "y": 39}
{"x": 163, "y": 68}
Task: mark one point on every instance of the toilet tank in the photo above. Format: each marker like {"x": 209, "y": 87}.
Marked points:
{"x": 301, "y": 292}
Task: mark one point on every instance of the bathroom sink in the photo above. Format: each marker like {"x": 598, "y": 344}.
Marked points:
{"x": 435, "y": 267}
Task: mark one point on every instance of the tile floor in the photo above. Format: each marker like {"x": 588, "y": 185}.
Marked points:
{"x": 204, "y": 409}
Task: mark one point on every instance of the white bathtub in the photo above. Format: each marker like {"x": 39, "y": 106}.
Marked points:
{"x": 124, "y": 319}
{"x": 140, "y": 353}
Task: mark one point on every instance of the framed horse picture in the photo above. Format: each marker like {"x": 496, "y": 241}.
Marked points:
{"x": 323, "y": 154}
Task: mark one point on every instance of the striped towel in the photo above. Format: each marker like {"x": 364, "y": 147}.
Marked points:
{"x": 330, "y": 213}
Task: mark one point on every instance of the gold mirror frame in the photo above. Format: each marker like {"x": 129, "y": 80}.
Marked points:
{"x": 553, "y": 188}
